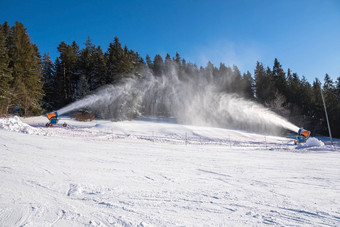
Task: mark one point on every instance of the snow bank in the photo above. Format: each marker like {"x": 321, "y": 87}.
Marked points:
{"x": 314, "y": 142}
{"x": 14, "y": 124}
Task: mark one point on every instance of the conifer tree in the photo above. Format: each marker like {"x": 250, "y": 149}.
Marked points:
{"x": 270, "y": 91}
{"x": 332, "y": 103}
{"x": 26, "y": 71}
{"x": 279, "y": 78}
{"x": 82, "y": 87}
{"x": 248, "y": 85}
{"x": 49, "y": 80}
{"x": 129, "y": 60}
{"x": 85, "y": 66}
{"x": 98, "y": 77}
{"x": 137, "y": 62}
{"x": 318, "y": 113}
{"x": 60, "y": 87}
{"x": 117, "y": 62}
{"x": 5, "y": 75}
{"x": 338, "y": 87}
{"x": 260, "y": 83}
{"x": 178, "y": 59}
{"x": 236, "y": 83}
{"x": 167, "y": 63}
{"x": 148, "y": 62}
{"x": 67, "y": 71}
{"x": 158, "y": 65}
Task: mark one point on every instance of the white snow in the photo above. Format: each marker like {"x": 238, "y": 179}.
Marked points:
{"x": 141, "y": 173}
{"x": 314, "y": 142}
{"x": 16, "y": 125}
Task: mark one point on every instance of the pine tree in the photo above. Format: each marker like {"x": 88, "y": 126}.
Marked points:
{"x": 60, "y": 87}
{"x": 137, "y": 62}
{"x": 118, "y": 62}
{"x": 279, "y": 78}
{"x": 332, "y": 103}
{"x": 336, "y": 124}
{"x": 85, "y": 65}
{"x": 158, "y": 65}
{"x": 6, "y": 32}
{"x": 271, "y": 90}
{"x": 260, "y": 83}
{"x": 236, "y": 83}
{"x": 148, "y": 61}
{"x": 49, "y": 80}
{"x": 67, "y": 71}
{"x": 317, "y": 115}
{"x": 26, "y": 71}
{"x": 265, "y": 90}
{"x": 248, "y": 85}
{"x": 338, "y": 87}
{"x": 82, "y": 87}
{"x": 99, "y": 77}
{"x": 167, "y": 63}
{"x": 129, "y": 60}
{"x": 5, "y": 75}
{"x": 177, "y": 59}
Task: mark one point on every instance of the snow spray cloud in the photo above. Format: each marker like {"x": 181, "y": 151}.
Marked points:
{"x": 190, "y": 98}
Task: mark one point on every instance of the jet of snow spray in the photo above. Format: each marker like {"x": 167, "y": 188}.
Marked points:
{"x": 196, "y": 100}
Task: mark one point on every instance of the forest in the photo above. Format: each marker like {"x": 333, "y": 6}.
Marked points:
{"x": 31, "y": 84}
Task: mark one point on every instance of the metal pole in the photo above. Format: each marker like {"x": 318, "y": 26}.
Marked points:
{"x": 329, "y": 127}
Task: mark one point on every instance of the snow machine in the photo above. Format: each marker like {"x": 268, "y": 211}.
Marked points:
{"x": 53, "y": 117}
{"x": 303, "y": 135}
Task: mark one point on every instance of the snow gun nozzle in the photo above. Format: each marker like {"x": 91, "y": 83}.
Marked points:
{"x": 304, "y": 133}
{"x": 53, "y": 114}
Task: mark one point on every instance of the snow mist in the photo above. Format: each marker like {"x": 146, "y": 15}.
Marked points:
{"x": 191, "y": 99}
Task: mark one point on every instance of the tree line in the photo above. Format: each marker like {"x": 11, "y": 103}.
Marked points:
{"x": 31, "y": 84}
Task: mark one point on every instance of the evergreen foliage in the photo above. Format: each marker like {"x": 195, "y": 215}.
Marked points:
{"x": 5, "y": 74}
{"x": 20, "y": 68}
{"x": 49, "y": 80}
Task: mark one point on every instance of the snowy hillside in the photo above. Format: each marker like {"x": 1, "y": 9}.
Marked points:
{"x": 145, "y": 173}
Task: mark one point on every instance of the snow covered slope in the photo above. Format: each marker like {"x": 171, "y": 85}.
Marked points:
{"x": 141, "y": 173}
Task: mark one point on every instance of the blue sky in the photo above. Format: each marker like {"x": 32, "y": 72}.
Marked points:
{"x": 303, "y": 35}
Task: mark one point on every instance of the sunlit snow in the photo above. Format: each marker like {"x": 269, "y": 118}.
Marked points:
{"x": 146, "y": 173}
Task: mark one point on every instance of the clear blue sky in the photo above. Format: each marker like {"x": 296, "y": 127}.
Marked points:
{"x": 303, "y": 34}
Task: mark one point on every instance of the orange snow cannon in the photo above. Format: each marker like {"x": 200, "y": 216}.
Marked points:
{"x": 53, "y": 117}
{"x": 303, "y": 135}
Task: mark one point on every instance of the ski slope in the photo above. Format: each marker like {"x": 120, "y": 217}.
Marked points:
{"x": 147, "y": 173}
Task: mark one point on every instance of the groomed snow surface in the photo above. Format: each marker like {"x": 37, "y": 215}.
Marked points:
{"x": 146, "y": 173}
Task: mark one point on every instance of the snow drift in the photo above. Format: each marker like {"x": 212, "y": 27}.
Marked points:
{"x": 14, "y": 124}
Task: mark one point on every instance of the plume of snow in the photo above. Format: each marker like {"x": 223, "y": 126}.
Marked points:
{"x": 196, "y": 99}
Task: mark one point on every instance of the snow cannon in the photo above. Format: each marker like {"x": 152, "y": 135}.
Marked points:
{"x": 54, "y": 118}
{"x": 303, "y": 135}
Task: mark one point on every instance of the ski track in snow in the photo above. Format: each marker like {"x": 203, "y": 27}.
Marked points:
{"x": 143, "y": 174}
